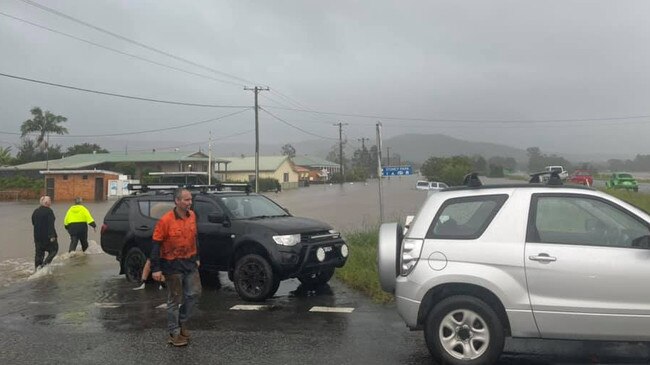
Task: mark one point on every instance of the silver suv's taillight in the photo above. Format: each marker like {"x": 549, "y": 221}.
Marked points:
{"x": 410, "y": 254}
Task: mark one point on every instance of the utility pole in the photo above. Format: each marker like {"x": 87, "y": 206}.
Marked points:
{"x": 210, "y": 159}
{"x": 340, "y": 124}
{"x": 256, "y": 90}
{"x": 387, "y": 156}
{"x": 362, "y": 140}
{"x": 381, "y": 204}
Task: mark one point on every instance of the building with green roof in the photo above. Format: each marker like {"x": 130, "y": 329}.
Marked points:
{"x": 139, "y": 162}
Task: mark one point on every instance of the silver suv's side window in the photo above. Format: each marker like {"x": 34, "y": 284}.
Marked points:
{"x": 465, "y": 218}
{"x": 581, "y": 220}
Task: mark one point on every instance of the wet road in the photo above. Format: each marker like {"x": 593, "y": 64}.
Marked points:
{"x": 83, "y": 312}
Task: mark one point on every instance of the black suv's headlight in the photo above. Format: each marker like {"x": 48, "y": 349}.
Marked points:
{"x": 287, "y": 239}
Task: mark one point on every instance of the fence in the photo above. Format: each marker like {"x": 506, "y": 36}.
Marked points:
{"x": 18, "y": 194}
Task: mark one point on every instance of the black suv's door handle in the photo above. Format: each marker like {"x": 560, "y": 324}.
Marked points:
{"x": 143, "y": 228}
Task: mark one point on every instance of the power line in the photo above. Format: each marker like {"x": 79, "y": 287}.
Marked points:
{"x": 137, "y": 43}
{"x": 118, "y": 51}
{"x": 461, "y": 120}
{"x": 122, "y": 95}
{"x": 194, "y": 143}
{"x": 142, "y": 131}
{"x": 293, "y": 126}
{"x": 290, "y": 100}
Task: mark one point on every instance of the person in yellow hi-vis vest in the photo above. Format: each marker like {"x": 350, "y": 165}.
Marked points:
{"x": 76, "y": 222}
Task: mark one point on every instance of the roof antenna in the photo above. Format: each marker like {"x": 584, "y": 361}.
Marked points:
{"x": 472, "y": 180}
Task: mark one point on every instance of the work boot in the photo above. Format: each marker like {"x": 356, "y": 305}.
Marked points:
{"x": 185, "y": 332}
{"x": 177, "y": 340}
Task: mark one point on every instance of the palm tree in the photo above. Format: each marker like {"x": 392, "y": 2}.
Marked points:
{"x": 5, "y": 156}
{"x": 43, "y": 125}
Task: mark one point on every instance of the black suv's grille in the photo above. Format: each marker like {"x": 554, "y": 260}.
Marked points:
{"x": 317, "y": 236}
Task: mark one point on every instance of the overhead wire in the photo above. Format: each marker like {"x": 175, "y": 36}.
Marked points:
{"x": 194, "y": 143}
{"x": 295, "y": 127}
{"x": 121, "y": 95}
{"x": 132, "y": 41}
{"x": 486, "y": 121}
{"x": 118, "y": 51}
{"x": 142, "y": 131}
{"x": 153, "y": 49}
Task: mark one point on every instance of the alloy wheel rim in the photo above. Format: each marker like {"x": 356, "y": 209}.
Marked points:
{"x": 464, "y": 334}
{"x": 252, "y": 278}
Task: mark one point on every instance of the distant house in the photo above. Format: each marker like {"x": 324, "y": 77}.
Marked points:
{"x": 320, "y": 169}
{"x": 143, "y": 162}
{"x": 276, "y": 167}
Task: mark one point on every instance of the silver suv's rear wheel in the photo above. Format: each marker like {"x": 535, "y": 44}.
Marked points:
{"x": 464, "y": 330}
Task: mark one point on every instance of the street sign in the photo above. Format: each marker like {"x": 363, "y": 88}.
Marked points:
{"x": 396, "y": 170}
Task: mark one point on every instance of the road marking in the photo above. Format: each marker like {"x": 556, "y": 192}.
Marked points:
{"x": 250, "y": 307}
{"x": 108, "y": 305}
{"x": 331, "y": 309}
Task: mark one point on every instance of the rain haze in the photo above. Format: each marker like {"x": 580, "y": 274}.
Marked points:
{"x": 565, "y": 76}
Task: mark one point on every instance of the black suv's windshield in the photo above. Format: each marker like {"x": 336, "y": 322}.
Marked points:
{"x": 252, "y": 206}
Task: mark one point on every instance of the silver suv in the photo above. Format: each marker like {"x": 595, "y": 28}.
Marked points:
{"x": 480, "y": 263}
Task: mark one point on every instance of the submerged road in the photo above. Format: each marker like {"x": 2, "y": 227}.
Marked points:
{"x": 83, "y": 312}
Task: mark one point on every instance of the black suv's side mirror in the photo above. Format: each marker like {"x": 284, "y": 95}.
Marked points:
{"x": 216, "y": 217}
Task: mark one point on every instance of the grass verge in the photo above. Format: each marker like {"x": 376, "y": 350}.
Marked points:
{"x": 360, "y": 271}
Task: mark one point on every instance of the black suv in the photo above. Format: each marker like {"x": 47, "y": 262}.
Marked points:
{"x": 248, "y": 235}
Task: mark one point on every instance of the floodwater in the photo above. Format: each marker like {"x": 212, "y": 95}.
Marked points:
{"x": 347, "y": 207}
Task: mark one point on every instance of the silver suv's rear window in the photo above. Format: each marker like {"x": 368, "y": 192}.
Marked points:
{"x": 465, "y": 218}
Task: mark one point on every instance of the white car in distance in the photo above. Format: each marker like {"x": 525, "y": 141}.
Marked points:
{"x": 431, "y": 186}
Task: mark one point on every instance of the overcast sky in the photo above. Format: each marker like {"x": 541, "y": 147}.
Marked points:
{"x": 524, "y": 63}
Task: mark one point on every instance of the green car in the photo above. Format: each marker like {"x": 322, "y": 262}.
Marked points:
{"x": 622, "y": 180}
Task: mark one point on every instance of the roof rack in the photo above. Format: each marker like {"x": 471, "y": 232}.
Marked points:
{"x": 553, "y": 178}
{"x": 472, "y": 180}
{"x": 143, "y": 188}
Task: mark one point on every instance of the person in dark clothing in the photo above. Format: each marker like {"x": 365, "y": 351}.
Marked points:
{"x": 77, "y": 219}
{"x": 45, "y": 238}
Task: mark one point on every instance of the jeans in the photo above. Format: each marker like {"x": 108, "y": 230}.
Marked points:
{"x": 183, "y": 292}
{"x": 51, "y": 247}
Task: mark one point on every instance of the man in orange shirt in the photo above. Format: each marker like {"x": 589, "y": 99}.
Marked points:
{"x": 175, "y": 255}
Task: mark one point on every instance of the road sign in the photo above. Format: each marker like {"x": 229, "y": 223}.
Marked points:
{"x": 396, "y": 170}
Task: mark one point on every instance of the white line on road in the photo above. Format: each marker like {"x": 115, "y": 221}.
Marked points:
{"x": 331, "y": 309}
{"x": 250, "y": 307}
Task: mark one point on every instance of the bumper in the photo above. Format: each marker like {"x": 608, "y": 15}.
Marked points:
{"x": 302, "y": 259}
{"x": 408, "y": 309}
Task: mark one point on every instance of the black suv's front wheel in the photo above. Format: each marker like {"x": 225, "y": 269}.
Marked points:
{"x": 254, "y": 278}
{"x": 133, "y": 263}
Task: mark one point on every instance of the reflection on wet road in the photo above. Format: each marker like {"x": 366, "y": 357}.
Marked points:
{"x": 84, "y": 312}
